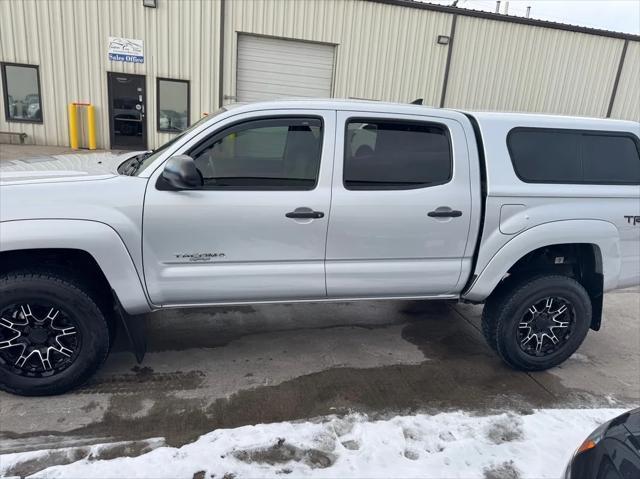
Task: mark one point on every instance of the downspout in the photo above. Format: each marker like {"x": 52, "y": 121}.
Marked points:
{"x": 448, "y": 63}
{"x": 221, "y": 53}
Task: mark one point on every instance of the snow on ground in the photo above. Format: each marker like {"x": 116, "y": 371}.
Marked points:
{"x": 446, "y": 445}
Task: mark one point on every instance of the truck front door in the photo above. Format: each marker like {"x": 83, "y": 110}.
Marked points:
{"x": 401, "y": 207}
{"x": 256, "y": 230}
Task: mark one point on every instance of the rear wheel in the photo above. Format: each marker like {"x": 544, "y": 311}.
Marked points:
{"x": 537, "y": 323}
{"x": 53, "y": 336}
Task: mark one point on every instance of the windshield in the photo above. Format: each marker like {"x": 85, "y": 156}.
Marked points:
{"x": 149, "y": 158}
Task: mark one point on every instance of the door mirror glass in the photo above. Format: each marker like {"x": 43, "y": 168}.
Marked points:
{"x": 180, "y": 172}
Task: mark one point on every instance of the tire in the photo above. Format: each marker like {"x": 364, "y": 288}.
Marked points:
{"x": 523, "y": 320}
{"x": 72, "y": 341}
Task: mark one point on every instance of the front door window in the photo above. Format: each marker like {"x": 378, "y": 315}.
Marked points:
{"x": 266, "y": 154}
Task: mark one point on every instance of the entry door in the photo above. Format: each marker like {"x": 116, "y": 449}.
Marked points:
{"x": 127, "y": 118}
{"x": 401, "y": 206}
{"x": 256, "y": 230}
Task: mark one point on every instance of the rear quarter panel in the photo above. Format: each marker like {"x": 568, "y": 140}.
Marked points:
{"x": 514, "y": 207}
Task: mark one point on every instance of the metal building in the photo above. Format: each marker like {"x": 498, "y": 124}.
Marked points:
{"x": 152, "y": 67}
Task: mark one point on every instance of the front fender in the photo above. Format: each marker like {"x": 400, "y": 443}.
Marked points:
{"x": 601, "y": 233}
{"x": 98, "y": 239}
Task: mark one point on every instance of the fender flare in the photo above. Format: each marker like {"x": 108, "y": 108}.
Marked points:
{"x": 98, "y": 239}
{"x": 601, "y": 233}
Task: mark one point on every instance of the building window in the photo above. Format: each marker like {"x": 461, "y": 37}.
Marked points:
{"x": 21, "y": 87}
{"x": 395, "y": 155}
{"x": 173, "y": 105}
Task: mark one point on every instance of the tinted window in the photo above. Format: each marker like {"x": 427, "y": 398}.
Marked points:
{"x": 610, "y": 159}
{"x": 173, "y": 105}
{"x": 395, "y": 155}
{"x": 572, "y": 156}
{"x": 21, "y": 93}
{"x": 281, "y": 153}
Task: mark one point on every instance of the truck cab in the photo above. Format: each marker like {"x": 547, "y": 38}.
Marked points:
{"x": 324, "y": 200}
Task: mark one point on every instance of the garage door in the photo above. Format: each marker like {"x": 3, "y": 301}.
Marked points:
{"x": 271, "y": 68}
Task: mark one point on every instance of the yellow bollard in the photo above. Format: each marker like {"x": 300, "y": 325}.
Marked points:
{"x": 91, "y": 127}
{"x": 73, "y": 127}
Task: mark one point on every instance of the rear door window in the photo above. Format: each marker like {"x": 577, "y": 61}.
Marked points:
{"x": 395, "y": 155}
{"x": 574, "y": 156}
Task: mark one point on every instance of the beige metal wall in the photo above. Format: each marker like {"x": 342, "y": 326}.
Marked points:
{"x": 507, "y": 66}
{"x": 627, "y": 100}
{"x": 68, "y": 40}
{"x": 383, "y": 52}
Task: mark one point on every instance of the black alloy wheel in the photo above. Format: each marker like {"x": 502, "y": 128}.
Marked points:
{"x": 38, "y": 339}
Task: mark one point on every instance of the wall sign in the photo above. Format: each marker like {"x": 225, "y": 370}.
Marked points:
{"x": 126, "y": 50}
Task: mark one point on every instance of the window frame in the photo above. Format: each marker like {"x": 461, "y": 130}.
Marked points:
{"x": 361, "y": 119}
{"x": 575, "y": 131}
{"x": 226, "y": 130}
{"x": 176, "y": 80}
{"x": 5, "y": 93}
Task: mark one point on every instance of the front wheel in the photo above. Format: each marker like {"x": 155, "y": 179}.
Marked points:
{"x": 537, "y": 323}
{"x": 53, "y": 336}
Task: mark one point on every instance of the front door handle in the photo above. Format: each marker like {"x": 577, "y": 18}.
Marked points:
{"x": 305, "y": 213}
{"x": 444, "y": 212}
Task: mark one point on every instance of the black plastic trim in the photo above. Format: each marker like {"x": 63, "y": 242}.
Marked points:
{"x": 483, "y": 201}
{"x": 445, "y": 214}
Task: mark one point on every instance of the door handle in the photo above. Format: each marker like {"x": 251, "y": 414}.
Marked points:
{"x": 305, "y": 213}
{"x": 444, "y": 212}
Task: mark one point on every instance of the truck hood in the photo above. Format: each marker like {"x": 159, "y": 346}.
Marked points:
{"x": 68, "y": 167}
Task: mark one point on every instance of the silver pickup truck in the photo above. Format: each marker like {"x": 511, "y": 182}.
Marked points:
{"x": 320, "y": 200}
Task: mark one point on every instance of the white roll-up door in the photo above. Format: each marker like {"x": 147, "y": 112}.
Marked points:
{"x": 271, "y": 68}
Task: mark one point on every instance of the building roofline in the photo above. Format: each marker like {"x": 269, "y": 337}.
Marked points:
{"x": 508, "y": 18}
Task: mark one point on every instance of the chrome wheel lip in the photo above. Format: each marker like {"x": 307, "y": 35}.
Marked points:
{"x": 546, "y": 326}
{"x": 38, "y": 338}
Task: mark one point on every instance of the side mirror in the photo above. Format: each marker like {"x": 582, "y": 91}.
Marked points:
{"x": 181, "y": 173}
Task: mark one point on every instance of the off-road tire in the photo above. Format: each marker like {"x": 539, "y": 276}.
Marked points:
{"x": 61, "y": 291}
{"x": 504, "y": 309}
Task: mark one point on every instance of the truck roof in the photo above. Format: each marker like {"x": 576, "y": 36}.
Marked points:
{"x": 504, "y": 118}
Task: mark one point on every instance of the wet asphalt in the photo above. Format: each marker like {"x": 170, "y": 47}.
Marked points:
{"x": 228, "y": 367}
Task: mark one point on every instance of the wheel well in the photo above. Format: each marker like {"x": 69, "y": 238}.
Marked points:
{"x": 73, "y": 263}
{"x": 580, "y": 261}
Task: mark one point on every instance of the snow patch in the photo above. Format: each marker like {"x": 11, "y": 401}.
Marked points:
{"x": 447, "y": 445}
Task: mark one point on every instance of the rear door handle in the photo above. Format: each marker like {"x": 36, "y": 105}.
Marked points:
{"x": 305, "y": 213}
{"x": 445, "y": 213}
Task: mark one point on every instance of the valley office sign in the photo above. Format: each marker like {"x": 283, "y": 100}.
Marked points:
{"x": 126, "y": 50}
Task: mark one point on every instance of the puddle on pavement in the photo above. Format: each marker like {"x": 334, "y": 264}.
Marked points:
{"x": 459, "y": 372}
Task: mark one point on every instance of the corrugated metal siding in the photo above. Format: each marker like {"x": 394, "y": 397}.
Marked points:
{"x": 68, "y": 39}
{"x": 512, "y": 67}
{"x": 383, "y": 52}
{"x": 627, "y": 101}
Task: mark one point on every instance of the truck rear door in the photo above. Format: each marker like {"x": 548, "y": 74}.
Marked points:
{"x": 401, "y": 206}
